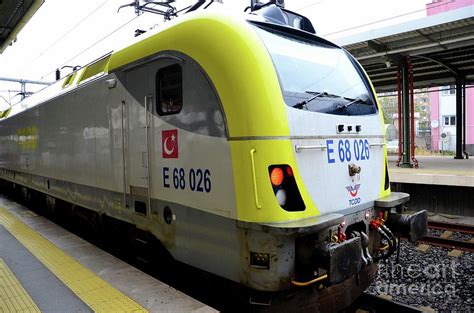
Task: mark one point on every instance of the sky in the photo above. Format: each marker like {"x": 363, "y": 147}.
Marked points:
{"x": 66, "y": 32}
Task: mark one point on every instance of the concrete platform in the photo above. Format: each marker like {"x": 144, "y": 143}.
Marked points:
{"x": 44, "y": 268}
{"x": 434, "y": 170}
{"x": 455, "y": 219}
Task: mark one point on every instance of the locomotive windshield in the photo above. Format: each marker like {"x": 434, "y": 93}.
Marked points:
{"x": 317, "y": 77}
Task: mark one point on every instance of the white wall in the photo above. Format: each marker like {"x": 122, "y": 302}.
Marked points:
{"x": 447, "y": 107}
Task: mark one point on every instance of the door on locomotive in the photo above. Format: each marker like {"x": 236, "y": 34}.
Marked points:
{"x": 139, "y": 122}
{"x": 173, "y": 118}
{"x": 142, "y": 98}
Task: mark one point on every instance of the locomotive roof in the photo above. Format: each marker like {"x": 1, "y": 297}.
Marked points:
{"x": 229, "y": 50}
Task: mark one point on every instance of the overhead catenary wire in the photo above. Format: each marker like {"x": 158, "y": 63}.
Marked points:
{"x": 309, "y": 5}
{"x": 104, "y": 2}
{"x": 94, "y": 44}
{"x": 382, "y": 20}
{"x": 66, "y": 33}
{"x": 8, "y": 102}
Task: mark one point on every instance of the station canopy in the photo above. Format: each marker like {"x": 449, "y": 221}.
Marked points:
{"x": 14, "y": 14}
{"x": 441, "y": 48}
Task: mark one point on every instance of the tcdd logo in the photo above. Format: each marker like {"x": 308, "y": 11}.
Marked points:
{"x": 353, "y": 190}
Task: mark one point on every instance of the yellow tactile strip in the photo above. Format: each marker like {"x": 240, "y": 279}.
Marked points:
{"x": 13, "y": 297}
{"x": 431, "y": 171}
{"x": 90, "y": 288}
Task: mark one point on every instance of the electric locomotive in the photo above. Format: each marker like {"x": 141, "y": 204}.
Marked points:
{"x": 247, "y": 145}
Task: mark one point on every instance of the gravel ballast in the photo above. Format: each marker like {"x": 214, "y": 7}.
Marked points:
{"x": 432, "y": 279}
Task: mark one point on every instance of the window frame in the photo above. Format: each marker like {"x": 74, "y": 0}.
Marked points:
{"x": 448, "y": 90}
{"x": 316, "y": 41}
{"x": 449, "y": 120}
{"x": 94, "y": 69}
{"x": 158, "y": 90}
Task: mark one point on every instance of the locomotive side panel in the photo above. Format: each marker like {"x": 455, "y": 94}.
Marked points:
{"x": 54, "y": 140}
{"x": 95, "y": 149}
{"x": 69, "y": 145}
{"x": 9, "y": 145}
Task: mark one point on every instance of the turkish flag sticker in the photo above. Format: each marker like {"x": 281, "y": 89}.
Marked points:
{"x": 169, "y": 143}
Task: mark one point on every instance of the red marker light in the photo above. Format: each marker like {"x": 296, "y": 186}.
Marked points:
{"x": 289, "y": 171}
{"x": 276, "y": 176}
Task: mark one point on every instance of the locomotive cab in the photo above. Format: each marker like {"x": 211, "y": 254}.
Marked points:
{"x": 329, "y": 194}
{"x": 300, "y": 189}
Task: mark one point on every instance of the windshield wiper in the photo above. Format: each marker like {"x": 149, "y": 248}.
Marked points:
{"x": 303, "y": 103}
{"x": 364, "y": 99}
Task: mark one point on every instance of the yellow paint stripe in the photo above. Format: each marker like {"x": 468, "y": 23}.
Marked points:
{"x": 13, "y": 297}
{"x": 90, "y": 288}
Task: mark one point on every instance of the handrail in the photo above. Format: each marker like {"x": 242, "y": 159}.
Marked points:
{"x": 381, "y": 144}
{"x": 254, "y": 178}
{"x": 298, "y": 148}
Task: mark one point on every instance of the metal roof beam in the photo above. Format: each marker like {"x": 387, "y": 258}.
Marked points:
{"x": 425, "y": 81}
{"x": 12, "y": 23}
{"x": 419, "y": 32}
{"x": 433, "y": 21}
{"x": 435, "y": 82}
{"x": 456, "y": 53}
{"x": 380, "y": 48}
{"x": 414, "y": 48}
{"x": 444, "y": 64}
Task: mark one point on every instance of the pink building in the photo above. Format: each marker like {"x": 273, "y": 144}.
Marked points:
{"x": 443, "y": 100}
{"x": 438, "y": 6}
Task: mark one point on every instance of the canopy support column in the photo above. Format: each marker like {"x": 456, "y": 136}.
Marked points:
{"x": 459, "y": 118}
{"x": 406, "y": 158}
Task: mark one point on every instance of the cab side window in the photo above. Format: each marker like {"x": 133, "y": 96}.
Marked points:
{"x": 169, "y": 90}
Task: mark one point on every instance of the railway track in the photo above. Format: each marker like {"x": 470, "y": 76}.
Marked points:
{"x": 445, "y": 241}
{"x": 462, "y": 228}
{"x": 372, "y": 303}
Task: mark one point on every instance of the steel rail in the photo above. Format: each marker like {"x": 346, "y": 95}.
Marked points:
{"x": 462, "y": 228}
{"x": 380, "y": 304}
{"x": 448, "y": 243}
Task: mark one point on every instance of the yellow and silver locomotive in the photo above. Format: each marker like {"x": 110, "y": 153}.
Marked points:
{"x": 248, "y": 146}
